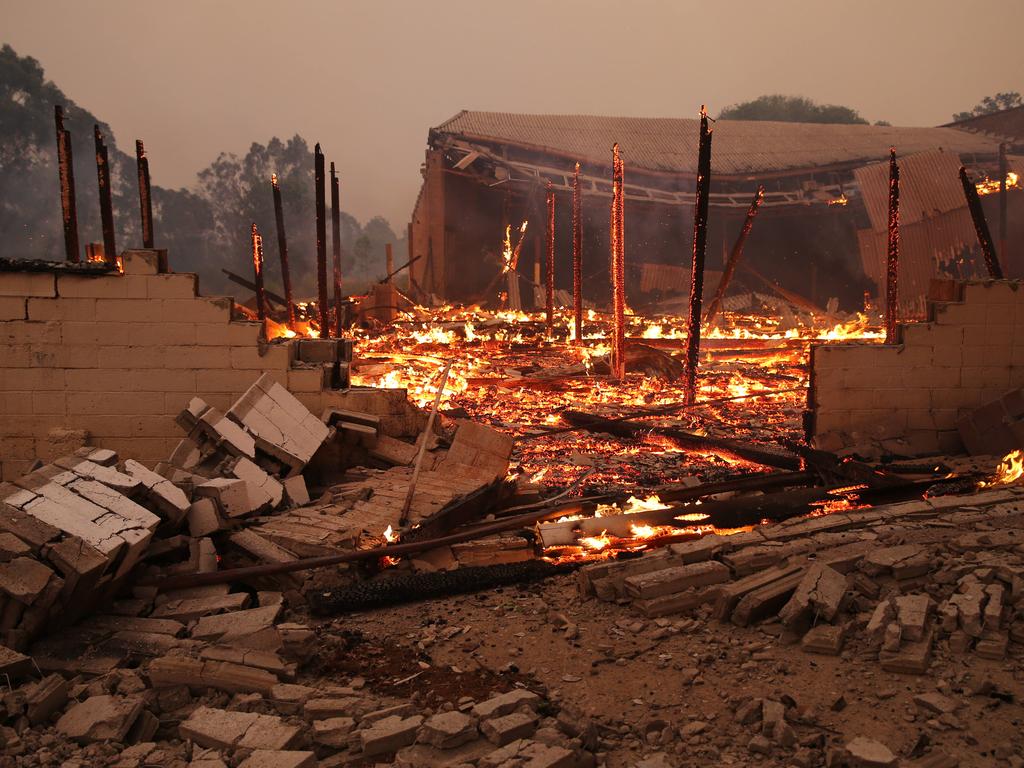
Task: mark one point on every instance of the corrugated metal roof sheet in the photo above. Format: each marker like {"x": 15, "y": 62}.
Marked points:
{"x": 929, "y": 185}
{"x": 739, "y": 147}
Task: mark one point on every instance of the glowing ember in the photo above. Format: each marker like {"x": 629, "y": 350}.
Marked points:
{"x": 990, "y": 186}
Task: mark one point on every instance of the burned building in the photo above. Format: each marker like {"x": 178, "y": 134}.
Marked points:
{"x": 817, "y": 235}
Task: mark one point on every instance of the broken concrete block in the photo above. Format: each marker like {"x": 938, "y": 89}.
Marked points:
{"x": 296, "y": 491}
{"x": 868, "y": 753}
{"x": 819, "y": 595}
{"x": 507, "y": 728}
{"x": 47, "y": 697}
{"x": 264, "y": 490}
{"x": 220, "y": 729}
{"x": 100, "y": 718}
{"x": 231, "y": 495}
{"x": 670, "y": 580}
{"x": 447, "y": 730}
{"x": 276, "y": 758}
{"x": 203, "y": 518}
{"x": 936, "y": 702}
{"x": 250, "y": 628}
{"x": 504, "y": 703}
{"x": 882, "y": 616}
{"x": 164, "y": 494}
{"x": 389, "y": 734}
{"x": 912, "y": 613}
{"x": 528, "y": 753}
{"x": 13, "y": 663}
{"x": 825, "y": 639}
{"x": 969, "y": 610}
{"x": 333, "y": 731}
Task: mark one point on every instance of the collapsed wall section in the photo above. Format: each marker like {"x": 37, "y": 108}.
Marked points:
{"x": 970, "y": 352}
{"x": 110, "y": 360}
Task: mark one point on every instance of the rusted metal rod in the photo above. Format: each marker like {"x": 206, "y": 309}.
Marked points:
{"x": 282, "y": 249}
{"x": 700, "y": 242}
{"x": 734, "y": 256}
{"x": 106, "y": 206}
{"x": 66, "y": 169}
{"x": 145, "y": 195}
{"x": 549, "y": 277}
{"x": 988, "y": 250}
{"x": 336, "y": 251}
{"x": 257, "y": 267}
{"x": 427, "y": 432}
{"x": 892, "y": 259}
{"x": 618, "y": 269}
{"x": 577, "y": 257}
{"x": 410, "y": 262}
{"x": 321, "y": 242}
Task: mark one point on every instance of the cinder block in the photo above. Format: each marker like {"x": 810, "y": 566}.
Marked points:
{"x": 915, "y": 355}
{"x": 233, "y": 334}
{"x": 29, "y": 425}
{"x": 16, "y": 355}
{"x": 28, "y": 284}
{"x": 132, "y": 357}
{"x": 13, "y": 308}
{"x": 109, "y": 286}
{"x": 21, "y": 332}
{"x": 63, "y": 356}
{"x": 161, "y": 334}
{"x": 974, "y": 356}
{"x": 140, "y": 262}
{"x": 263, "y": 357}
{"x": 30, "y": 379}
{"x": 979, "y": 335}
{"x": 961, "y": 314}
{"x": 99, "y": 380}
{"x": 166, "y": 380}
{"x": 993, "y": 292}
{"x": 49, "y": 402}
{"x": 230, "y": 380}
{"x": 15, "y": 402}
{"x": 198, "y": 310}
{"x": 313, "y": 401}
{"x": 174, "y": 286}
{"x": 904, "y": 398}
{"x": 76, "y": 310}
{"x": 115, "y": 403}
{"x": 939, "y": 377}
{"x": 198, "y": 357}
{"x": 17, "y": 448}
{"x": 309, "y": 379}
{"x": 12, "y": 470}
{"x": 130, "y": 311}
{"x": 986, "y": 377}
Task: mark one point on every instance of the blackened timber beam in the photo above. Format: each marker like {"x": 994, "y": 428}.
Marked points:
{"x": 321, "y": 242}
{"x": 66, "y": 170}
{"x": 577, "y": 257}
{"x": 145, "y": 194}
{"x": 257, "y": 266}
{"x": 549, "y": 293}
{"x": 106, "y": 205}
{"x": 734, "y": 256}
{"x": 282, "y": 250}
{"x": 339, "y": 310}
{"x": 988, "y": 249}
{"x": 700, "y": 241}
{"x": 892, "y": 259}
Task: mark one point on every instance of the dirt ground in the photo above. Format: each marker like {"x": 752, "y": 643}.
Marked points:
{"x": 640, "y": 678}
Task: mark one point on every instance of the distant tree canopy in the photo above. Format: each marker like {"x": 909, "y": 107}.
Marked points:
{"x": 205, "y": 228}
{"x": 991, "y": 104}
{"x": 790, "y": 109}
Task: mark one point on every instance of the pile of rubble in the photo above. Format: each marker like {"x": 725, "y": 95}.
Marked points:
{"x": 899, "y": 577}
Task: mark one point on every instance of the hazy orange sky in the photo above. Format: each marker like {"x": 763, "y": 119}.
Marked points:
{"x": 367, "y": 79}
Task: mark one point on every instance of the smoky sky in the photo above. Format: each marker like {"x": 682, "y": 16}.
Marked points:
{"x": 367, "y": 79}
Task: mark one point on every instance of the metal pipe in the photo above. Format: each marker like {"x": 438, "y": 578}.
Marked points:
{"x": 66, "y": 169}
{"x": 106, "y": 206}
{"x": 321, "y": 242}
{"x": 549, "y": 277}
{"x": 892, "y": 261}
{"x": 145, "y": 195}
{"x": 700, "y": 241}
{"x": 282, "y": 249}
{"x": 734, "y": 256}
{"x": 577, "y": 257}
{"x": 988, "y": 250}
{"x": 336, "y": 250}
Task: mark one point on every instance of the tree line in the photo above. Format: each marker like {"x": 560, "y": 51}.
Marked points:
{"x": 205, "y": 228}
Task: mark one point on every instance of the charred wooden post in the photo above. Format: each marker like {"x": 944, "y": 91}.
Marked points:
{"x": 389, "y": 262}
{"x": 106, "y": 206}
{"x": 1003, "y": 171}
{"x": 700, "y": 242}
{"x": 321, "y": 242}
{"x": 577, "y": 257}
{"x": 145, "y": 195}
{"x": 282, "y": 249}
{"x": 549, "y": 295}
{"x": 988, "y": 249}
{"x": 257, "y": 267}
{"x": 892, "y": 261}
{"x": 734, "y": 256}
{"x": 336, "y": 251}
{"x": 66, "y": 169}
{"x": 618, "y": 269}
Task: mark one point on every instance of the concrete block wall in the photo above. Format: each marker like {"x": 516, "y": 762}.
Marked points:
{"x": 970, "y": 352}
{"x": 112, "y": 359}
